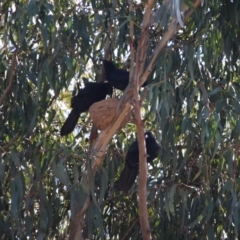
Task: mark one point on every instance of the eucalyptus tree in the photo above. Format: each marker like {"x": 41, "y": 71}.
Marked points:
{"x": 63, "y": 187}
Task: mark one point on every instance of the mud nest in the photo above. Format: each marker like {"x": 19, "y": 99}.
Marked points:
{"x": 103, "y": 113}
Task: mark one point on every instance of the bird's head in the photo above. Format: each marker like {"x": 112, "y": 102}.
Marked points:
{"x": 107, "y": 64}
{"x": 149, "y": 135}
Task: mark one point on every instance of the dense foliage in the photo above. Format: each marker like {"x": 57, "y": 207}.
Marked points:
{"x": 193, "y": 107}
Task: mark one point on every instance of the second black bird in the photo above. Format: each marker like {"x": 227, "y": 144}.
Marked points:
{"x": 93, "y": 92}
{"x": 130, "y": 171}
{"x": 118, "y": 78}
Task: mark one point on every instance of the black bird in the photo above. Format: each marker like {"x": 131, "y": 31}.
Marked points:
{"x": 93, "y": 92}
{"x": 130, "y": 171}
{"x": 118, "y": 78}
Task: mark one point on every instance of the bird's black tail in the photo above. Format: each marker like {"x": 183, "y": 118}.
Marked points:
{"x": 70, "y": 123}
{"x": 127, "y": 178}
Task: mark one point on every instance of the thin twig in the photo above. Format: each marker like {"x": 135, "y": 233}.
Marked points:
{"x": 6, "y": 146}
{"x": 12, "y": 74}
{"x": 132, "y": 48}
{"x": 130, "y": 228}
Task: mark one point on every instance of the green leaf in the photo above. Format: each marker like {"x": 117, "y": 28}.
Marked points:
{"x": 214, "y": 91}
{"x": 2, "y": 171}
{"x": 61, "y": 172}
{"x": 103, "y": 186}
{"x": 171, "y": 199}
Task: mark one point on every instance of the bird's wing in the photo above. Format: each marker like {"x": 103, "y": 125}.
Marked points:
{"x": 126, "y": 179}
{"x": 70, "y": 123}
{"x": 120, "y": 75}
{"x": 82, "y": 93}
{"x": 132, "y": 158}
{"x": 152, "y": 147}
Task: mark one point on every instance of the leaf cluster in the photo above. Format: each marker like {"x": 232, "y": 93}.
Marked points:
{"x": 192, "y": 107}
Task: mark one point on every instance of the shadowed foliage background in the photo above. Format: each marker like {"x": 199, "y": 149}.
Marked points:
{"x": 192, "y": 107}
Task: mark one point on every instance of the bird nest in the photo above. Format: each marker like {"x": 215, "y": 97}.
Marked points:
{"x": 104, "y": 112}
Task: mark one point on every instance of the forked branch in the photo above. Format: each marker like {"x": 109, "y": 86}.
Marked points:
{"x": 138, "y": 77}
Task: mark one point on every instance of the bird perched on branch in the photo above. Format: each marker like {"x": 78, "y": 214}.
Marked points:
{"x": 93, "y": 92}
{"x": 118, "y": 78}
{"x": 130, "y": 171}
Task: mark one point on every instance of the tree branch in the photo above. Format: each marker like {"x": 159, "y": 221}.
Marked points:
{"x": 141, "y": 78}
{"x": 143, "y": 171}
{"x": 140, "y": 62}
{"x": 131, "y": 95}
{"x": 76, "y": 224}
{"x": 98, "y": 152}
{"x": 106, "y": 136}
{"x": 131, "y": 32}
{"x": 172, "y": 29}
{"x": 12, "y": 74}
